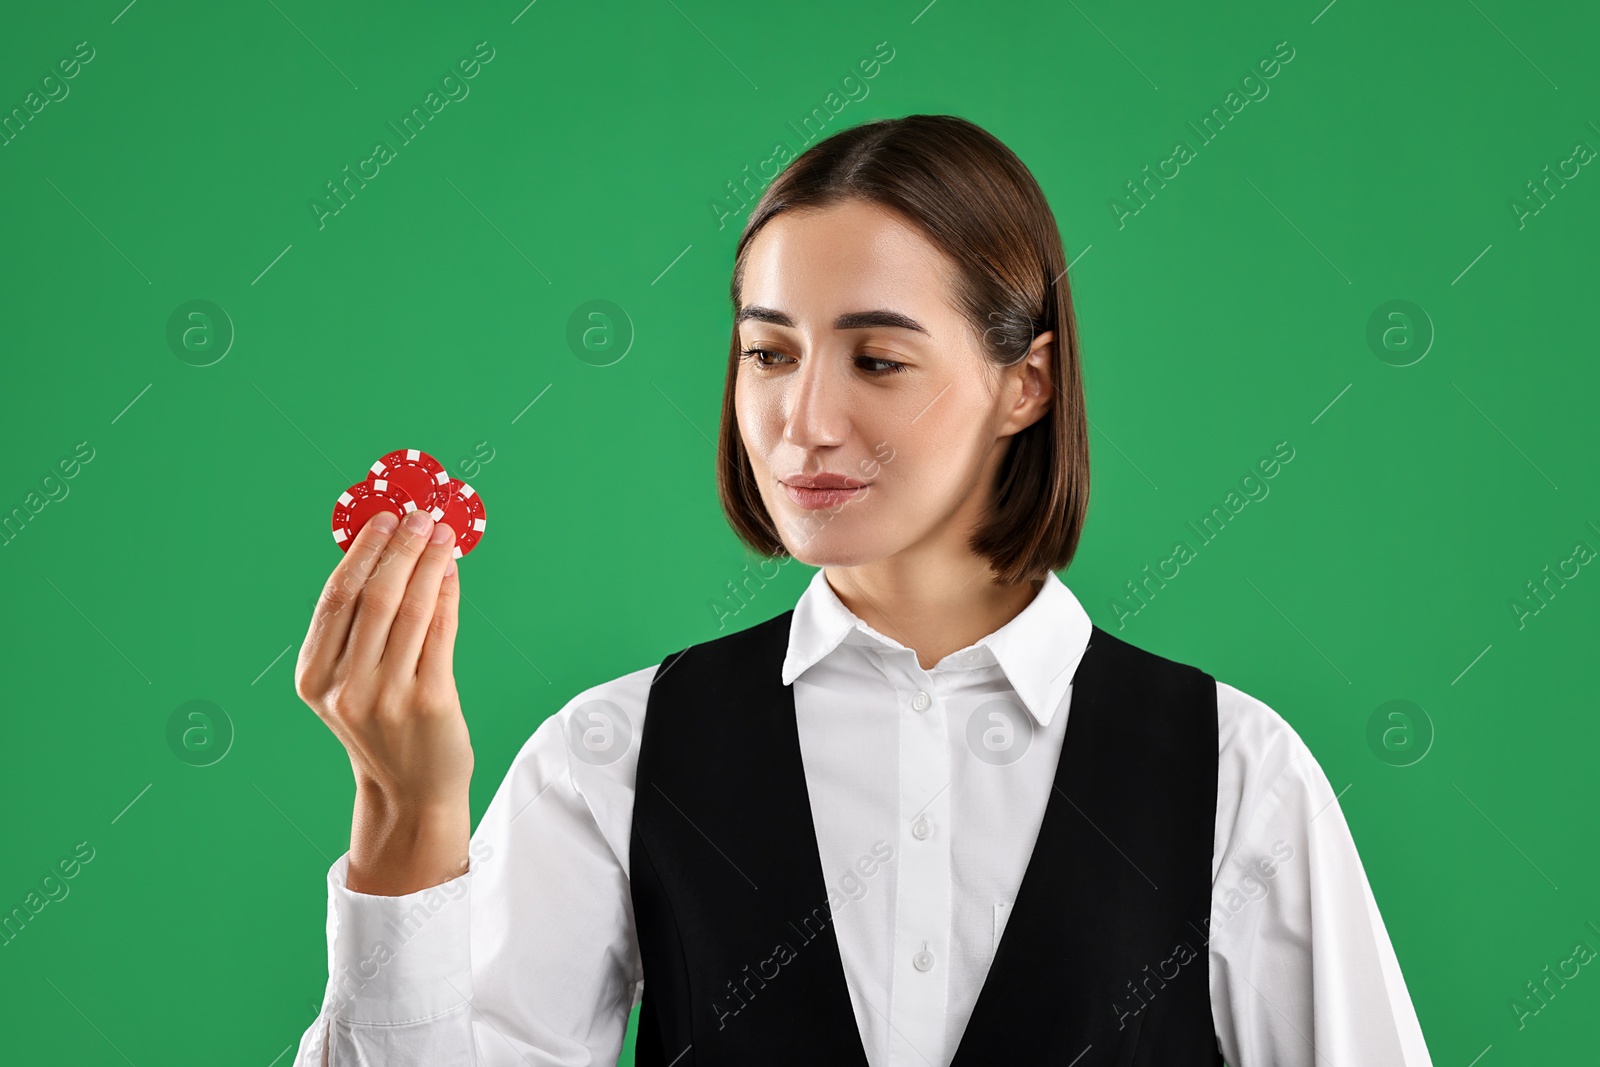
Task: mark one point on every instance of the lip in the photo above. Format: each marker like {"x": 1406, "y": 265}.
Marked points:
{"x": 813, "y": 499}
{"x": 823, "y": 480}
{"x": 823, "y": 490}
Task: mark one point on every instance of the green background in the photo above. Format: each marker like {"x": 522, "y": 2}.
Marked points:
{"x": 1229, "y": 314}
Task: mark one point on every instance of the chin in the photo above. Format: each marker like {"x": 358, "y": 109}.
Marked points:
{"x": 830, "y": 548}
{"x": 813, "y": 558}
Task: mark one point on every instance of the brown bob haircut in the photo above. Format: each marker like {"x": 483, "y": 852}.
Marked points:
{"x": 976, "y": 201}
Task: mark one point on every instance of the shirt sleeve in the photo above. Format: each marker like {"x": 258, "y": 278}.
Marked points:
{"x": 1302, "y": 969}
{"x": 530, "y": 959}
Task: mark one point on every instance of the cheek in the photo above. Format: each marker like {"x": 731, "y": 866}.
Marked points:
{"x": 760, "y": 421}
{"x": 939, "y": 442}
{"x": 936, "y": 460}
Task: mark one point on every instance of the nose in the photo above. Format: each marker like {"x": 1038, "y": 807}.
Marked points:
{"x": 816, "y": 416}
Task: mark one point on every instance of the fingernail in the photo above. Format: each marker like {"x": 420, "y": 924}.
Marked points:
{"x": 441, "y": 534}
{"x": 450, "y": 568}
{"x": 418, "y": 521}
{"x": 385, "y": 522}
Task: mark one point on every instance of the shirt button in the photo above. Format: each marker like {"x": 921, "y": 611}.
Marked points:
{"x": 921, "y": 701}
{"x": 923, "y": 961}
{"x": 921, "y": 828}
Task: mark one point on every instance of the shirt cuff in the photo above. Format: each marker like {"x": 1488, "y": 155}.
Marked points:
{"x": 394, "y": 960}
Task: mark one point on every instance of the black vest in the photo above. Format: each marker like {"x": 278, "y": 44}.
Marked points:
{"x": 1103, "y": 959}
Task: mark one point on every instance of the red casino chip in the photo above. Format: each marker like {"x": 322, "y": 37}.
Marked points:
{"x": 464, "y": 512}
{"x": 359, "y": 503}
{"x": 419, "y": 474}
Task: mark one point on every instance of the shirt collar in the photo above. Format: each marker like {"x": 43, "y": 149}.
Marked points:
{"x": 1038, "y": 650}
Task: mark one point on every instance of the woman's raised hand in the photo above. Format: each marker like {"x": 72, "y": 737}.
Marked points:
{"x": 377, "y": 666}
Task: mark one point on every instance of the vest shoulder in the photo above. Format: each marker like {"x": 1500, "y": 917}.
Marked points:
{"x": 1144, "y": 660}
{"x": 736, "y": 647}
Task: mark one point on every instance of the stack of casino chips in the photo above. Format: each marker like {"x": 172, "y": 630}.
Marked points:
{"x": 404, "y": 481}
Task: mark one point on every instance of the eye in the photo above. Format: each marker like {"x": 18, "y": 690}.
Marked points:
{"x": 885, "y": 367}
{"x": 872, "y": 365}
{"x": 753, "y": 355}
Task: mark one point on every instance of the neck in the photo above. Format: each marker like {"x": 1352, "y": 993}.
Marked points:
{"x": 935, "y": 608}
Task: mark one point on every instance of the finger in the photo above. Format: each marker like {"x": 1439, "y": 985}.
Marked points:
{"x": 416, "y": 606}
{"x": 437, "y": 665}
{"x": 330, "y": 622}
{"x": 381, "y": 596}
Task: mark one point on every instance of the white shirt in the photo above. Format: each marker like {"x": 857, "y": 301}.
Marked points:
{"x": 531, "y": 959}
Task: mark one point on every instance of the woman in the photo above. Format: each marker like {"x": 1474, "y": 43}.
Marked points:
{"x": 930, "y": 815}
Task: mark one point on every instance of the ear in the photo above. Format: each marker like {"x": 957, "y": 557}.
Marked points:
{"x": 1027, "y": 386}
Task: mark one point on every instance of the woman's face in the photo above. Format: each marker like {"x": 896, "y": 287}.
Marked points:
{"x": 866, "y": 370}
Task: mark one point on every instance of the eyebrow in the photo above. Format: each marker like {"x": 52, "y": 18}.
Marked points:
{"x": 850, "y": 320}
